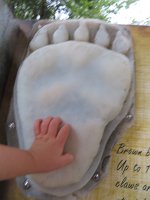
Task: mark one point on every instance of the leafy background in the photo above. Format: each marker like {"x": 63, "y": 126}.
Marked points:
{"x": 42, "y": 9}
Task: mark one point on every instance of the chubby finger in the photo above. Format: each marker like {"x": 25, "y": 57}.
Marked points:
{"x": 37, "y": 126}
{"x": 45, "y": 124}
{"x": 54, "y": 127}
{"x": 63, "y": 134}
{"x": 65, "y": 159}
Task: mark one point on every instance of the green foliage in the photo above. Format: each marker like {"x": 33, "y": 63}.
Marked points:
{"x": 142, "y": 22}
{"x": 95, "y": 8}
{"x": 31, "y": 9}
{"x": 74, "y": 8}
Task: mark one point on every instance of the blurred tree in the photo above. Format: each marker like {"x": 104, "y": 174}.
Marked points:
{"x": 100, "y": 9}
{"x": 73, "y": 8}
{"x": 33, "y": 9}
{"x": 142, "y": 22}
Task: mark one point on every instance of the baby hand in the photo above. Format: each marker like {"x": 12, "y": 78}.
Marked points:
{"x": 47, "y": 150}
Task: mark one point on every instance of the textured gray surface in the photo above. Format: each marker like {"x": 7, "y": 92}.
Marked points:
{"x": 5, "y": 17}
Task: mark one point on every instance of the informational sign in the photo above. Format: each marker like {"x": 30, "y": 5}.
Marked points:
{"x": 128, "y": 175}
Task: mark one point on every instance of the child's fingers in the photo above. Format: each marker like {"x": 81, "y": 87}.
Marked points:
{"x": 63, "y": 134}
{"x": 44, "y": 125}
{"x": 37, "y": 125}
{"x": 54, "y": 127}
{"x": 65, "y": 159}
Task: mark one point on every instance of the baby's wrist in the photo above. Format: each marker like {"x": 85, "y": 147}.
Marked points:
{"x": 31, "y": 164}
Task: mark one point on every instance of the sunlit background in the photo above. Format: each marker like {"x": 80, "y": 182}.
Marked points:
{"x": 137, "y": 13}
{"x": 114, "y": 11}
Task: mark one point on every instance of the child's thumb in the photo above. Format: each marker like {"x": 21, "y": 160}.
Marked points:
{"x": 66, "y": 159}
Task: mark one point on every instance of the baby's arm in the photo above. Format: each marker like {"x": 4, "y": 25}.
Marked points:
{"x": 46, "y": 153}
